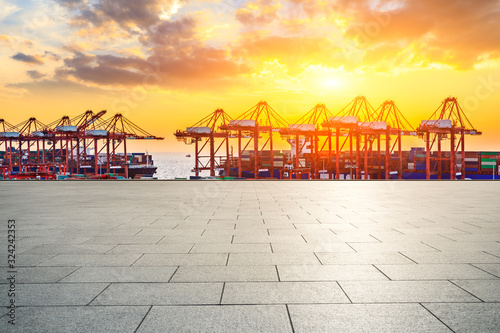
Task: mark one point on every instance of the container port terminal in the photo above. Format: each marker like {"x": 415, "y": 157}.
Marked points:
{"x": 358, "y": 142}
{"x": 86, "y": 146}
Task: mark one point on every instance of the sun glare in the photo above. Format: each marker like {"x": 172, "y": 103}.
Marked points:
{"x": 331, "y": 82}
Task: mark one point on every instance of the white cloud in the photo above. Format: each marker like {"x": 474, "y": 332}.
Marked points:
{"x": 8, "y": 9}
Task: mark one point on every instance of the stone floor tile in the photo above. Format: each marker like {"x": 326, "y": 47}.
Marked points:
{"x": 363, "y": 318}
{"x": 121, "y": 274}
{"x": 83, "y": 319}
{"x": 282, "y": 293}
{"x": 160, "y": 294}
{"x": 252, "y": 259}
{"x": 484, "y": 317}
{"x": 486, "y": 290}
{"x": 405, "y": 292}
{"x": 225, "y": 273}
{"x": 91, "y": 260}
{"x": 433, "y": 272}
{"x": 221, "y": 319}
{"x": 176, "y": 259}
{"x": 329, "y": 273}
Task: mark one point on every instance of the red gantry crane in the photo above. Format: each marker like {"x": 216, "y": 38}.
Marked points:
{"x": 259, "y": 120}
{"x": 204, "y": 135}
{"x": 118, "y": 129}
{"x": 90, "y": 129}
{"x": 8, "y": 133}
{"x": 448, "y": 121}
{"x": 62, "y": 131}
{"x": 31, "y": 132}
{"x": 346, "y": 125}
{"x": 304, "y": 138}
{"x": 389, "y": 122}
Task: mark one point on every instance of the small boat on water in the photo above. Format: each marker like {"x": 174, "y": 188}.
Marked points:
{"x": 188, "y": 155}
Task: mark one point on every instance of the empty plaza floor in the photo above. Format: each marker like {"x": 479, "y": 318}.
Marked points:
{"x": 250, "y": 256}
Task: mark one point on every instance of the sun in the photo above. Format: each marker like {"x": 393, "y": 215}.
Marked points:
{"x": 331, "y": 82}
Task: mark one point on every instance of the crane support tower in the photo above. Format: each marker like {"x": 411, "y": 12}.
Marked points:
{"x": 307, "y": 138}
{"x": 260, "y": 121}
{"x": 206, "y": 135}
{"x": 447, "y": 122}
{"x": 345, "y": 126}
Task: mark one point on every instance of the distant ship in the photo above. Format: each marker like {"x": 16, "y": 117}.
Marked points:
{"x": 188, "y": 155}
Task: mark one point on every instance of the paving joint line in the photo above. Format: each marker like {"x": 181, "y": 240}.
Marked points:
{"x": 382, "y": 272}
{"x": 375, "y": 238}
{"x": 498, "y": 277}
{"x": 318, "y": 258}
{"x": 447, "y": 238}
{"x": 442, "y": 322}
{"x": 143, "y": 318}
{"x": 468, "y": 292}
{"x": 347, "y": 243}
{"x": 142, "y": 254}
{"x": 408, "y": 257}
{"x": 106, "y": 252}
{"x": 222, "y": 293}
{"x": 93, "y": 299}
{"x": 491, "y": 254}
{"x": 432, "y": 247}
{"x": 340, "y": 286}
{"x": 78, "y": 268}
{"x": 171, "y": 277}
{"x": 290, "y": 318}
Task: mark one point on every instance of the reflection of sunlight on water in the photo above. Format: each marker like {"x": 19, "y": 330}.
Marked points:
{"x": 174, "y": 165}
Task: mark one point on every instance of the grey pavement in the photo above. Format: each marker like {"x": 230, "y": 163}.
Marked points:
{"x": 251, "y": 256}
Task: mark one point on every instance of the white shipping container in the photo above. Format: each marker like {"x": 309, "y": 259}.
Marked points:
{"x": 302, "y": 127}
{"x": 66, "y": 128}
{"x": 488, "y": 163}
{"x": 9, "y": 134}
{"x": 471, "y": 159}
{"x": 38, "y": 134}
{"x": 376, "y": 125}
{"x": 344, "y": 120}
{"x": 243, "y": 123}
{"x": 440, "y": 123}
{"x": 96, "y": 132}
{"x": 199, "y": 130}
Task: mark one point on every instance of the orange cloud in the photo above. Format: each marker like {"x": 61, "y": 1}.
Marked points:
{"x": 466, "y": 29}
{"x": 294, "y": 52}
{"x": 258, "y": 13}
{"x": 177, "y": 58}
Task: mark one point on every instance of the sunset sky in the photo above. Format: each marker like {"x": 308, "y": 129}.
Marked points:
{"x": 165, "y": 64}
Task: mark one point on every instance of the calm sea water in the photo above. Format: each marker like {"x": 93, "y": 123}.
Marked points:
{"x": 174, "y": 165}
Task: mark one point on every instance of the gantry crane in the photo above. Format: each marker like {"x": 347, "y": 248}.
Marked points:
{"x": 345, "y": 124}
{"x": 204, "y": 135}
{"x": 31, "y": 132}
{"x": 8, "y": 133}
{"x": 117, "y": 130}
{"x": 389, "y": 121}
{"x": 259, "y": 120}
{"x": 304, "y": 137}
{"x": 446, "y": 122}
